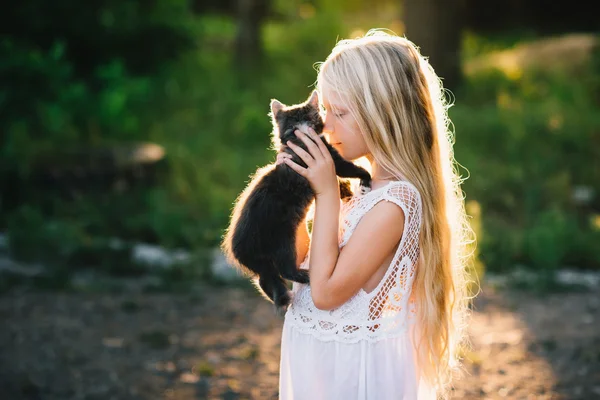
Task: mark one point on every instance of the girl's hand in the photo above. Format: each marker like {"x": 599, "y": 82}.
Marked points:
{"x": 280, "y": 157}
{"x": 320, "y": 170}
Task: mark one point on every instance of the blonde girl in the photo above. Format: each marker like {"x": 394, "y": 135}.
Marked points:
{"x": 384, "y": 314}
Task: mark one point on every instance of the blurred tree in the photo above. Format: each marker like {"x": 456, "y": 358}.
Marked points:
{"x": 536, "y": 16}
{"x": 144, "y": 35}
{"x": 435, "y": 26}
{"x": 248, "y": 44}
{"x": 226, "y": 7}
{"x": 249, "y": 16}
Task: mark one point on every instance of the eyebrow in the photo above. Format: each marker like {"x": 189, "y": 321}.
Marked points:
{"x": 337, "y": 107}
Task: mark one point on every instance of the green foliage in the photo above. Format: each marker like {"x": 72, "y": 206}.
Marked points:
{"x": 54, "y": 115}
{"x": 81, "y": 77}
{"x": 53, "y": 241}
{"x": 547, "y": 241}
{"x": 475, "y": 44}
{"x": 529, "y": 139}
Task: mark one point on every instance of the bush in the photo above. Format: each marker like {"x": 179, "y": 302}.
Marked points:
{"x": 528, "y": 141}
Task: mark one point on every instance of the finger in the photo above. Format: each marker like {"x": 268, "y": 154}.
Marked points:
{"x": 312, "y": 146}
{"x": 320, "y": 143}
{"x": 302, "y": 171}
{"x": 281, "y": 158}
{"x": 305, "y": 156}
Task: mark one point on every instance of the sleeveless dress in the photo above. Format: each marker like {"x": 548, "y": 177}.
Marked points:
{"x": 362, "y": 349}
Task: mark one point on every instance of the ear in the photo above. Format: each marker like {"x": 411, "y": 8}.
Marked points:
{"x": 276, "y": 106}
{"x": 314, "y": 99}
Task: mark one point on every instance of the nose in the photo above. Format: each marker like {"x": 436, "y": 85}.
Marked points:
{"x": 328, "y": 127}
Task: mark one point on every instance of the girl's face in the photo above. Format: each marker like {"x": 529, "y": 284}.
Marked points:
{"x": 341, "y": 128}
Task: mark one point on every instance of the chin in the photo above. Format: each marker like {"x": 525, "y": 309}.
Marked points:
{"x": 349, "y": 156}
{"x": 341, "y": 151}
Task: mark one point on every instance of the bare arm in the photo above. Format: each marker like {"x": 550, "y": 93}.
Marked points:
{"x": 302, "y": 242}
{"x": 324, "y": 251}
{"x": 335, "y": 275}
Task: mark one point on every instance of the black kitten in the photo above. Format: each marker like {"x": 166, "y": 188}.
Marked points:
{"x": 261, "y": 238}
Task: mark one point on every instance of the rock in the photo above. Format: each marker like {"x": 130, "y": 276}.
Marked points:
{"x": 9, "y": 266}
{"x": 222, "y": 269}
{"x": 590, "y": 279}
{"x": 112, "y": 342}
{"x": 156, "y": 256}
{"x": 188, "y": 377}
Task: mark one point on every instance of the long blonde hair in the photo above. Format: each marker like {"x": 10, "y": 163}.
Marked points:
{"x": 398, "y": 102}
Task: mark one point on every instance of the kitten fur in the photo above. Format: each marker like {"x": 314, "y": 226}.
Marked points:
{"x": 261, "y": 237}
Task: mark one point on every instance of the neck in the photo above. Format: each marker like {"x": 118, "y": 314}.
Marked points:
{"x": 378, "y": 173}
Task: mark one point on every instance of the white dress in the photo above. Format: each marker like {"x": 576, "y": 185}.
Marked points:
{"x": 362, "y": 349}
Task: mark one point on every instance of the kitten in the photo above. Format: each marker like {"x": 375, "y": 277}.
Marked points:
{"x": 261, "y": 237}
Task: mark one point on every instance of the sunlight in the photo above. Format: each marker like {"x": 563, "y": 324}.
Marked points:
{"x": 357, "y": 33}
{"x": 306, "y": 11}
{"x": 555, "y": 122}
{"x": 500, "y": 339}
{"x": 596, "y": 222}
{"x": 563, "y": 52}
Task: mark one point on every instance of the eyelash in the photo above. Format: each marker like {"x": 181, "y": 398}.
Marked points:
{"x": 337, "y": 115}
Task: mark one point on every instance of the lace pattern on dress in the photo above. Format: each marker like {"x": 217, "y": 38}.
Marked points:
{"x": 387, "y": 310}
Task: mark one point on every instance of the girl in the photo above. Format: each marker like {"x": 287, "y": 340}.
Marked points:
{"x": 384, "y": 313}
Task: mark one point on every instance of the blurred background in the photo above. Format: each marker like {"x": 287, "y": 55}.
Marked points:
{"x": 128, "y": 128}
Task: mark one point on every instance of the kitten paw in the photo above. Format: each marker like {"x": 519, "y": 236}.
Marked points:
{"x": 365, "y": 186}
{"x": 300, "y": 276}
{"x": 281, "y": 303}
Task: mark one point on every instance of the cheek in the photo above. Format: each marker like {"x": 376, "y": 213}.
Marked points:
{"x": 358, "y": 146}
{"x": 351, "y": 150}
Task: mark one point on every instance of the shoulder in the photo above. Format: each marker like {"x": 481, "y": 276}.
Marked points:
{"x": 384, "y": 215}
{"x": 389, "y": 209}
{"x": 405, "y": 195}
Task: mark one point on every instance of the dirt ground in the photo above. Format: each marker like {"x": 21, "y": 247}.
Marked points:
{"x": 223, "y": 343}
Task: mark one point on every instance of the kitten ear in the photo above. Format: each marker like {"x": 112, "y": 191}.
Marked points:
{"x": 276, "y": 106}
{"x": 314, "y": 99}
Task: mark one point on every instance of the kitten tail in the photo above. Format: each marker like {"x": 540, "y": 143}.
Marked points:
{"x": 274, "y": 289}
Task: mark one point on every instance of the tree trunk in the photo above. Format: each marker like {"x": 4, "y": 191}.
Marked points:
{"x": 248, "y": 43}
{"x": 435, "y": 26}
